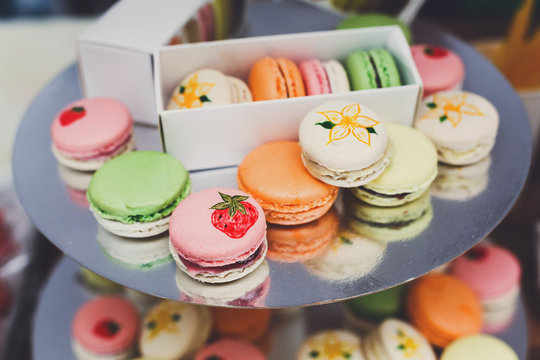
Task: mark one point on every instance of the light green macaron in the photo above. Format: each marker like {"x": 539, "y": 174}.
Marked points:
{"x": 412, "y": 169}
{"x": 479, "y": 347}
{"x": 134, "y": 194}
{"x": 372, "y": 69}
{"x": 374, "y": 19}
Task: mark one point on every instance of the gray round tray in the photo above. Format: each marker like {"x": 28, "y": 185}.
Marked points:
{"x": 63, "y": 295}
{"x": 455, "y": 227}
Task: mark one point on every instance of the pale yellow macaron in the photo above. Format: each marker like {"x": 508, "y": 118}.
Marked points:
{"x": 479, "y": 347}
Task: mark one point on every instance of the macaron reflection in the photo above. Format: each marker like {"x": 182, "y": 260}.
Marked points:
{"x": 390, "y": 223}
{"x": 249, "y": 291}
{"x": 301, "y": 242}
{"x": 349, "y": 257}
{"x": 142, "y": 253}
{"x": 76, "y": 183}
{"x": 461, "y": 183}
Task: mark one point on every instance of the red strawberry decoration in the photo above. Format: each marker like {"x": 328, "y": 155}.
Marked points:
{"x": 234, "y": 216}
{"x": 72, "y": 115}
{"x": 477, "y": 253}
{"x": 435, "y": 51}
{"x": 107, "y": 328}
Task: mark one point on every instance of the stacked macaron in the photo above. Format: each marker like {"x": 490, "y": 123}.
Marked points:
{"x": 86, "y": 134}
{"x": 494, "y": 275}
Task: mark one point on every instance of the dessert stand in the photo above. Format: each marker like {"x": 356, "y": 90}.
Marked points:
{"x": 455, "y": 227}
{"x": 63, "y": 295}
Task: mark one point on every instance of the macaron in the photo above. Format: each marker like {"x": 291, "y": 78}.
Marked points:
{"x": 429, "y": 60}
{"x": 134, "y": 194}
{"x": 371, "y": 19}
{"x": 249, "y": 291}
{"x": 396, "y": 339}
{"x": 105, "y": 327}
{"x": 412, "y": 169}
{"x": 461, "y": 124}
{"x": 364, "y": 313}
{"x": 327, "y": 77}
{"x": 389, "y": 224}
{"x": 206, "y": 22}
{"x": 372, "y": 69}
{"x": 344, "y": 144}
{"x": 461, "y": 183}
{"x": 88, "y": 132}
{"x": 443, "y": 308}
{"x": 331, "y": 345}
{"x": 143, "y": 254}
{"x": 274, "y": 175}
{"x": 230, "y": 349}
{"x": 174, "y": 330}
{"x": 494, "y": 274}
{"x": 218, "y": 235}
{"x": 479, "y": 347}
{"x": 293, "y": 243}
{"x": 246, "y": 324}
{"x": 208, "y": 87}
{"x": 349, "y": 257}
{"x": 279, "y": 78}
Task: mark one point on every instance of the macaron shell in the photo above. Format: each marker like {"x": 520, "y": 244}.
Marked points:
{"x": 239, "y": 91}
{"x": 444, "y": 308}
{"x": 333, "y": 148}
{"x": 401, "y": 341}
{"x": 94, "y": 314}
{"x": 479, "y": 347}
{"x": 230, "y": 349}
{"x": 331, "y": 345}
{"x": 104, "y": 126}
{"x": 266, "y": 81}
{"x": 337, "y": 77}
{"x": 490, "y": 270}
{"x": 413, "y": 165}
{"x": 470, "y": 118}
{"x": 361, "y": 72}
{"x": 205, "y": 87}
{"x": 429, "y": 68}
{"x": 293, "y": 78}
{"x": 247, "y": 324}
{"x": 195, "y": 238}
{"x": 315, "y": 78}
{"x": 374, "y": 19}
{"x": 172, "y": 330}
{"x": 140, "y": 183}
{"x": 274, "y": 174}
{"x": 386, "y": 67}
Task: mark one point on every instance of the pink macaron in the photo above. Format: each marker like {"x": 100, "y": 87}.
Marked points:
{"x": 439, "y": 68}
{"x": 494, "y": 274}
{"x": 218, "y": 235}
{"x": 206, "y": 22}
{"x": 105, "y": 326}
{"x": 230, "y": 349}
{"x": 88, "y": 132}
{"x": 328, "y": 77}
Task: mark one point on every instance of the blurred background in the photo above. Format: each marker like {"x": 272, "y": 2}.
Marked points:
{"x": 38, "y": 41}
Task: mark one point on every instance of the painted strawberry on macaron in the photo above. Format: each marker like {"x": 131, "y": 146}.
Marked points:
{"x": 218, "y": 235}
{"x": 71, "y": 115}
{"x": 435, "y": 51}
{"x": 234, "y": 216}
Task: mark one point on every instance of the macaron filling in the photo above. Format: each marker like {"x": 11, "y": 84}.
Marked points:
{"x": 143, "y": 218}
{"x": 253, "y": 295}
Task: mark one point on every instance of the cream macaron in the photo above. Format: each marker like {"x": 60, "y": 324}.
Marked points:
{"x": 344, "y": 144}
{"x": 331, "y": 345}
{"x": 462, "y": 125}
{"x": 412, "y": 169}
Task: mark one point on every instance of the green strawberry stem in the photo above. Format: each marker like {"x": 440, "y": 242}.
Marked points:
{"x": 233, "y": 203}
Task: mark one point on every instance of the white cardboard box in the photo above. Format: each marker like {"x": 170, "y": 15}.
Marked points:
{"x": 115, "y": 53}
{"x": 221, "y": 136}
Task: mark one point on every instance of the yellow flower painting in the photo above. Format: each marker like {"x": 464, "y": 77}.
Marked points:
{"x": 331, "y": 347}
{"x": 450, "y": 109}
{"x": 193, "y": 93}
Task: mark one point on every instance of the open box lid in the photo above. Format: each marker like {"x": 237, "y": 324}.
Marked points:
{"x": 127, "y": 24}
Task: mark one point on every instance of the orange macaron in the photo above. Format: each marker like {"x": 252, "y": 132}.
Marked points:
{"x": 444, "y": 308}
{"x": 279, "y": 78}
{"x": 276, "y": 178}
{"x": 294, "y": 243}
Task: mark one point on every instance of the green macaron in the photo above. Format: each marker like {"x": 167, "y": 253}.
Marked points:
{"x": 378, "y": 306}
{"x": 372, "y": 69}
{"x": 374, "y": 19}
{"x": 141, "y": 188}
